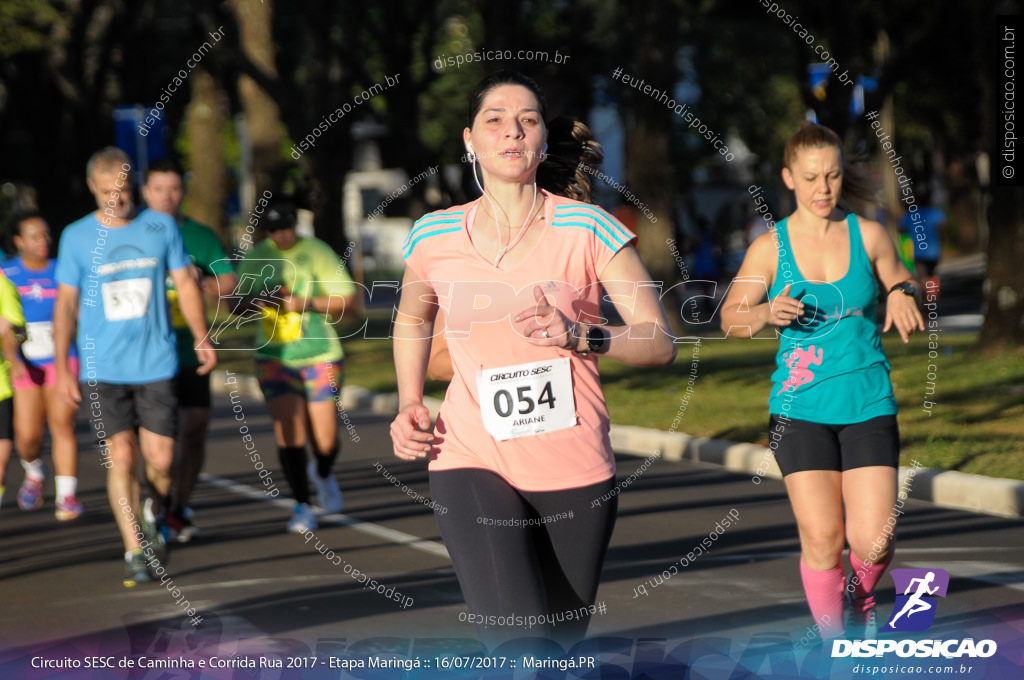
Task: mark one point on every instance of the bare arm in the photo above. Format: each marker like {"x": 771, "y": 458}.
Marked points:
{"x": 65, "y": 321}
{"x": 9, "y": 345}
{"x": 414, "y": 324}
{"x": 215, "y": 287}
{"x": 647, "y": 339}
{"x": 440, "y": 365}
{"x": 334, "y": 306}
{"x": 745, "y": 313}
{"x": 901, "y": 310}
{"x": 190, "y": 298}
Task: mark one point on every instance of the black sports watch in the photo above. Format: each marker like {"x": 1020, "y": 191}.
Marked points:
{"x": 906, "y": 287}
{"x": 597, "y": 341}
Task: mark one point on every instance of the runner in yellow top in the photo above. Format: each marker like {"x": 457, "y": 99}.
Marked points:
{"x": 293, "y": 284}
{"x": 11, "y": 317}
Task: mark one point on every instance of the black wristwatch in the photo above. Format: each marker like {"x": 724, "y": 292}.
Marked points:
{"x": 906, "y": 287}
{"x": 597, "y": 341}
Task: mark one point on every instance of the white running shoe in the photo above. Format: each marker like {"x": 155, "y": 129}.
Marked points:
{"x": 188, "y": 529}
{"x": 328, "y": 495}
{"x": 303, "y": 519}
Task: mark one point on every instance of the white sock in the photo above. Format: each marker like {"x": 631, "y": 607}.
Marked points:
{"x": 66, "y": 486}
{"x": 34, "y": 469}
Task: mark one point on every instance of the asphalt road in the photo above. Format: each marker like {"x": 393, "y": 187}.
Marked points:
{"x": 735, "y": 612}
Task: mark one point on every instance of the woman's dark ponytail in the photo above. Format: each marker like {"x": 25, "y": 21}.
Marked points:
{"x": 572, "y": 160}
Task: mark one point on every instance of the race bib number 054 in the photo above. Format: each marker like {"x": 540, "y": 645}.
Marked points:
{"x": 527, "y": 399}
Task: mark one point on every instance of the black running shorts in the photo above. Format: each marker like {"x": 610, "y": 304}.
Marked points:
{"x": 193, "y": 389}
{"x": 152, "y": 406}
{"x": 801, "y": 445}
{"x": 7, "y": 418}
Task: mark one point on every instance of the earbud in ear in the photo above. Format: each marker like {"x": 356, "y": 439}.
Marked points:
{"x": 469, "y": 150}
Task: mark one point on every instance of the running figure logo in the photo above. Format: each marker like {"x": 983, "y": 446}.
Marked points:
{"x": 914, "y": 611}
{"x": 263, "y": 293}
{"x": 798, "y": 361}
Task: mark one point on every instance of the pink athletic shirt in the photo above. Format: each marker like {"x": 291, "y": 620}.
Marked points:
{"x": 480, "y": 301}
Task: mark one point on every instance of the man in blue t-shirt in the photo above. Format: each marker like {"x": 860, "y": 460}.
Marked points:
{"x": 111, "y": 271}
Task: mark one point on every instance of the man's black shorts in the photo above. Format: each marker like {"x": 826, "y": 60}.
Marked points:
{"x": 152, "y": 406}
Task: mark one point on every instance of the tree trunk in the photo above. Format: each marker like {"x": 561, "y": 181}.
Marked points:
{"x": 1004, "y": 285}
{"x": 205, "y": 118}
{"x": 1004, "y": 282}
{"x": 261, "y": 113}
{"x": 651, "y": 33}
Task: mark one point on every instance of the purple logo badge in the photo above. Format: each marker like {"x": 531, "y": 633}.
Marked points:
{"x": 915, "y": 609}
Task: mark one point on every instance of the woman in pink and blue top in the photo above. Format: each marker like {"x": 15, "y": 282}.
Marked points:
{"x": 833, "y": 415}
{"x": 36, "y": 402}
{"x": 521, "y": 446}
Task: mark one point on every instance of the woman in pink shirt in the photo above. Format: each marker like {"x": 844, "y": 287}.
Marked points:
{"x": 520, "y": 448}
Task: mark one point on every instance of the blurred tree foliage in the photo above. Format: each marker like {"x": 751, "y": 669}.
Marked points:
{"x": 65, "y": 64}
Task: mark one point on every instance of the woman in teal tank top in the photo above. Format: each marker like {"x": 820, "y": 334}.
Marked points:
{"x": 833, "y": 415}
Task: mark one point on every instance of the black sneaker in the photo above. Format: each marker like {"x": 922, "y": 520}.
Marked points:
{"x": 135, "y": 570}
{"x": 861, "y": 619}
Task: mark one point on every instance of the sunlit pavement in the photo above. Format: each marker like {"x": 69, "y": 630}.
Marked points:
{"x": 261, "y": 592}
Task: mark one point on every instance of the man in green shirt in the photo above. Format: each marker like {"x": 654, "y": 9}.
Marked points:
{"x": 163, "y": 190}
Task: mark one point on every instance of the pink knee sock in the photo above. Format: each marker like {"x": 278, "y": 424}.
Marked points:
{"x": 866, "y": 576}
{"x": 824, "y": 590}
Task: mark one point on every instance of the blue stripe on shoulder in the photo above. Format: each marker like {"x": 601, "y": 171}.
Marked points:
{"x": 429, "y": 221}
{"x": 609, "y": 226}
{"x": 616, "y": 246}
{"x": 422, "y": 235}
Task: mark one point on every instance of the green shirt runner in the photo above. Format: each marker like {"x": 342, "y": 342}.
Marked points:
{"x": 315, "y": 271}
{"x": 209, "y": 257}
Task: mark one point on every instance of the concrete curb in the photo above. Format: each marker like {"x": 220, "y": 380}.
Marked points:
{"x": 944, "y": 488}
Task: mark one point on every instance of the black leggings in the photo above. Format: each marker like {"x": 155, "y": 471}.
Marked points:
{"x": 517, "y": 555}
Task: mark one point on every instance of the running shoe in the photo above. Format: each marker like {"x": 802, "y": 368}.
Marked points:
{"x": 861, "y": 620}
{"x": 172, "y": 528}
{"x": 30, "y": 495}
{"x": 303, "y": 519}
{"x": 155, "y": 529}
{"x": 187, "y": 529}
{"x": 68, "y": 508}
{"x": 328, "y": 495}
{"x": 135, "y": 571}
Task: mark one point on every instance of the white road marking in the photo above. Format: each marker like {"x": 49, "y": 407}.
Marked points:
{"x": 336, "y": 519}
{"x": 755, "y": 557}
